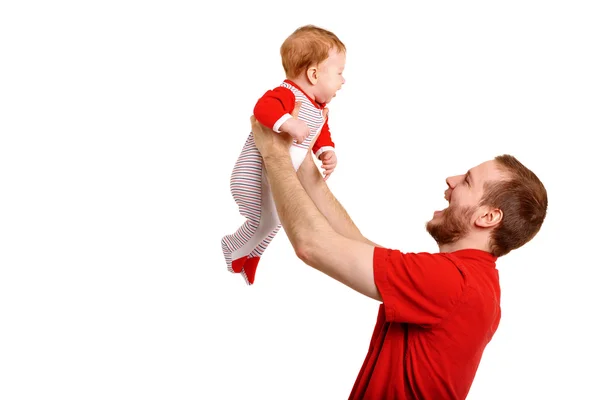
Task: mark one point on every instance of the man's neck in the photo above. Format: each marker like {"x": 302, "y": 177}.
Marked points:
{"x": 466, "y": 243}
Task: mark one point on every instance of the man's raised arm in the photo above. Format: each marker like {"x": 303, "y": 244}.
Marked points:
{"x": 314, "y": 240}
{"x": 315, "y": 186}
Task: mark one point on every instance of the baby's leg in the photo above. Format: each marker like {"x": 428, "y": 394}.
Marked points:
{"x": 269, "y": 213}
{"x": 249, "y": 187}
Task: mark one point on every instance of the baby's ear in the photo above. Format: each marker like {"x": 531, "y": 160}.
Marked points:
{"x": 296, "y": 109}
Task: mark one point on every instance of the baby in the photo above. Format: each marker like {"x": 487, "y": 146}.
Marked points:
{"x": 313, "y": 60}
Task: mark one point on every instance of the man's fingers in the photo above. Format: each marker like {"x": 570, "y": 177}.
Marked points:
{"x": 325, "y": 112}
{"x": 255, "y": 124}
{"x": 296, "y": 109}
{"x": 283, "y": 137}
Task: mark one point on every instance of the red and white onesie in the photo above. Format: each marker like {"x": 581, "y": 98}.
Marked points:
{"x": 249, "y": 185}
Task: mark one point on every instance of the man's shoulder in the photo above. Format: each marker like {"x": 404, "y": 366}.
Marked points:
{"x": 464, "y": 261}
{"x": 461, "y": 256}
{"x": 422, "y": 256}
{"x": 472, "y": 258}
{"x": 419, "y": 264}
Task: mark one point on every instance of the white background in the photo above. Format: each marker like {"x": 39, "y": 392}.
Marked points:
{"x": 120, "y": 123}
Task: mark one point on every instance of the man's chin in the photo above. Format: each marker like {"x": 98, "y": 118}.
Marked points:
{"x": 432, "y": 223}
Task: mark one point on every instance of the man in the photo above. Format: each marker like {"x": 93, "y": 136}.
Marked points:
{"x": 439, "y": 310}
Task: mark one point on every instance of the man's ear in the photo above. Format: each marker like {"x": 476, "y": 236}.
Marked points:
{"x": 311, "y": 74}
{"x": 488, "y": 217}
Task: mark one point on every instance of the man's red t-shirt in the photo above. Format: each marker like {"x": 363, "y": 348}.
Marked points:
{"x": 438, "y": 314}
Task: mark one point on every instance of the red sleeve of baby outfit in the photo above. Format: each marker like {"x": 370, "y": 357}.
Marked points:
{"x": 417, "y": 288}
{"x": 273, "y": 105}
{"x": 324, "y": 141}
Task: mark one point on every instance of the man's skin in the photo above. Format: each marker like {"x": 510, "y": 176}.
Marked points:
{"x": 322, "y": 233}
{"x": 319, "y": 229}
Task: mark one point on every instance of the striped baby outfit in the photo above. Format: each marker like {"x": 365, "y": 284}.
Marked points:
{"x": 249, "y": 186}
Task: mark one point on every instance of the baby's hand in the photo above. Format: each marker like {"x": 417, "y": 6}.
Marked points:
{"x": 329, "y": 160}
{"x": 296, "y": 129}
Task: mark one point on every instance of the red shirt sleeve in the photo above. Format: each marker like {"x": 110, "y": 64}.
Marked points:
{"x": 273, "y": 105}
{"x": 324, "y": 139}
{"x": 417, "y": 288}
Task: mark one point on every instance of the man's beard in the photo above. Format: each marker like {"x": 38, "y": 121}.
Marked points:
{"x": 452, "y": 226}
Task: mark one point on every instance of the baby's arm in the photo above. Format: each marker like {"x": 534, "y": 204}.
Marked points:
{"x": 324, "y": 149}
{"x": 274, "y": 110}
{"x": 323, "y": 142}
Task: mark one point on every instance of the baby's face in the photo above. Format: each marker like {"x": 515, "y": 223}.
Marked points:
{"x": 330, "y": 78}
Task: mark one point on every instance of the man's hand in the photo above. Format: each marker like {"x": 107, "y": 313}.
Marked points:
{"x": 267, "y": 141}
{"x": 329, "y": 160}
{"x": 270, "y": 143}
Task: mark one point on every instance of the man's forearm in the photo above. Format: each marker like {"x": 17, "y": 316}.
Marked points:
{"x": 326, "y": 202}
{"x": 314, "y": 240}
{"x": 299, "y": 216}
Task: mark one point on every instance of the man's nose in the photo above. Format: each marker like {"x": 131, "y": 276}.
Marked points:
{"x": 450, "y": 182}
